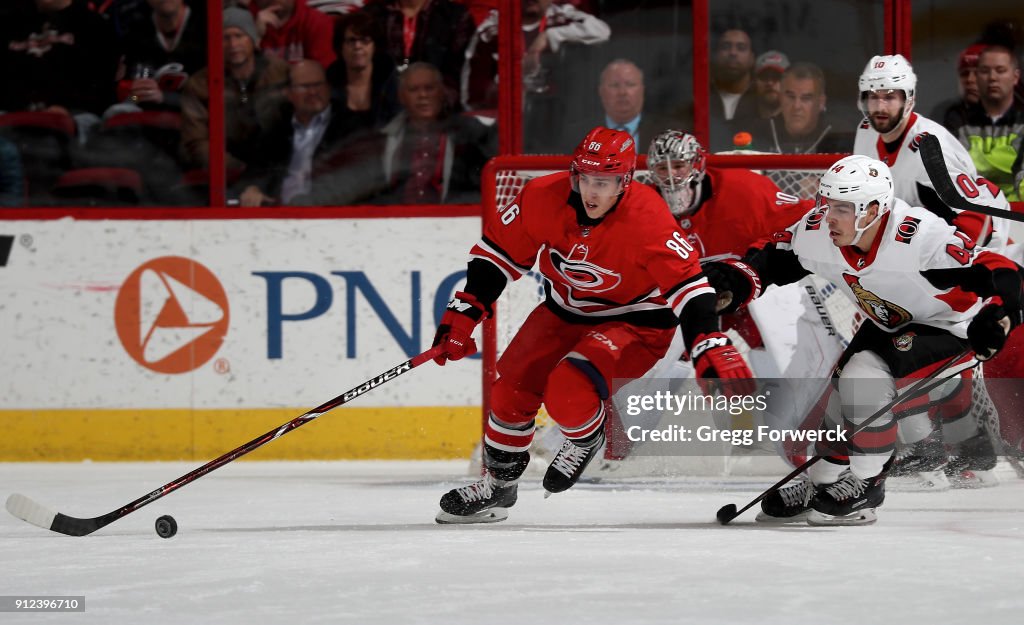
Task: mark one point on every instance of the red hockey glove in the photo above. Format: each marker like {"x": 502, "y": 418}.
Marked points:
{"x": 987, "y": 331}
{"x": 736, "y": 283}
{"x": 455, "y": 333}
{"x": 714, "y": 356}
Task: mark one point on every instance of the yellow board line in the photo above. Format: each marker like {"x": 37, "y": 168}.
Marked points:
{"x": 413, "y": 433}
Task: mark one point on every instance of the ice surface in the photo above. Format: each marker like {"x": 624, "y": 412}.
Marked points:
{"x": 355, "y": 542}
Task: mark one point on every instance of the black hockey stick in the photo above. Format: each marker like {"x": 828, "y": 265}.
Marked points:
{"x": 935, "y": 165}
{"x": 729, "y": 512}
{"x": 28, "y": 510}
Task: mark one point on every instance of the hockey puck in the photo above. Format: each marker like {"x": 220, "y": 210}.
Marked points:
{"x": 166, "y": 526}
{"x": 726, "y": 513}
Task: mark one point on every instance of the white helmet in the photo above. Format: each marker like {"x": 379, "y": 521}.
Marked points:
{"x": 889, "y": 72}
{"x": 860, "y": 180}
{"x": 682, "y": 193}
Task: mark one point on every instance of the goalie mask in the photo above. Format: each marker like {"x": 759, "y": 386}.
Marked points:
{"x": 604, "y": 151}
{"x": 859, "y": 180}
{"x": 888, "y": 73}
{"x": 677, "y": 163}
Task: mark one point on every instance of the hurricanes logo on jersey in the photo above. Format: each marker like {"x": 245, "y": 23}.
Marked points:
{"x": 583, "y": 275}
{"x": 886, "y": 313}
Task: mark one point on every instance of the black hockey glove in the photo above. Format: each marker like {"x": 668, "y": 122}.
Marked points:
{"x": 736, "y": 283}
{"x": 987, "y": 332}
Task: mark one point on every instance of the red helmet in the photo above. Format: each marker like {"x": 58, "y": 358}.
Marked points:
{"x": 606, "y": 151}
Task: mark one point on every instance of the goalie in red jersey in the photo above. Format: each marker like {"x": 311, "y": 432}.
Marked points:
{"x": 620, "y": 279}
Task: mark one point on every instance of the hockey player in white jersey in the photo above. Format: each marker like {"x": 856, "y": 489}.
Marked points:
{"x": 928, "y": 291}
{"x": 891, "y": 132}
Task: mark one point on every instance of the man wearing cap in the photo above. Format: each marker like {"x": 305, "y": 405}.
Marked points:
{"x": 253, "y": 96}
{"x": 953, "y": 112}
{"x": 768, "y": 82}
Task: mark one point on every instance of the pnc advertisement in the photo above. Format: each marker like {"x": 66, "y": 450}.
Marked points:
{"x": 222, "y": 321}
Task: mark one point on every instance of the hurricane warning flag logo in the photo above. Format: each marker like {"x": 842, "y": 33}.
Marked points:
{"x": 171, "y": 315}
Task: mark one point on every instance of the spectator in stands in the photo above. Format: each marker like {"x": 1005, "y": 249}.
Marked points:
{"x": 161, "y": 52}
{"x": 768, "y": 71}
{"x": 363, "y": 79}
{"x": 12, "y": 178}
{"x": 801, "y": 127}
{"x": 253, "y": 97}
{"x": 293, "y": 149}
{"x": 733, "y": 103}
{"x": 546, "y": 28}
{"x": 429, "y": 155}
{"x": 430, "y": 31}
{"x": 994, "y": 129}
{"x": 57, "y": 55}
{"x": 292, "y": 31}
{"x": 952, "y": 113}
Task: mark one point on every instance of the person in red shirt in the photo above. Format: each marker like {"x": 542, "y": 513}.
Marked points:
{"x": 620, "y": 278}
{"x": 289, "y": 29}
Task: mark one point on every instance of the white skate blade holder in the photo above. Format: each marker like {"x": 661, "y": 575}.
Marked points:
{"x": 492, "y": 515}
{"x": 767, "y": 519}
{"x": 861, "y": 517}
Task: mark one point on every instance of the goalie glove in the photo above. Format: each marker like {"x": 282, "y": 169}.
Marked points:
{"x": 988, "y": 330}
{"x": 736, "y": 283}
{"x": 455, "y": 332}
{"x": 714, "y": 356}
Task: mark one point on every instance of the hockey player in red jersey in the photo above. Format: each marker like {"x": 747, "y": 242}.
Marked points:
{"x": 929, "y": 293}
{"x": 722, "y": 210}
{"x": 620, "y": 279}
{"x": 891, "y": 132}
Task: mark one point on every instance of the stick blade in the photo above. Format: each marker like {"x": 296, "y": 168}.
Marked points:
{"x": 29, "y": 511}
{"x": 726, "y": 513}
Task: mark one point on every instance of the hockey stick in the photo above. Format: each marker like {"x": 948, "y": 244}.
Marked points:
{"x": 935, "y": 165}
{"x": 729, "y": 512}
{"x": 28, "y": 510}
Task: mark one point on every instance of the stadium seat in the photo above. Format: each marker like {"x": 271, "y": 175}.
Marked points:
{"x": 44, "y": 140}
{"x": 99, "y": 186}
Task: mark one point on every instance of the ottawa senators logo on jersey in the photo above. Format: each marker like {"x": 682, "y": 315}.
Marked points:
{"x": 907, "y": 229}
{"x": 887, "y": 314}
{"x": 583, "y": 275}
{"x": 915, "y": 143}
{"x": 814, "y": 220}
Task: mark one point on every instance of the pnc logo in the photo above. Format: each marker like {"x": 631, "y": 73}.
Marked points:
{"x": 171, "y": 315}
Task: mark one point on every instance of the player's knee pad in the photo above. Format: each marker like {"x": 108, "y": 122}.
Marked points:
{"x": 865, "y": 385}
{"x": 511, "y": 404}
{"x": 574, "y": 396}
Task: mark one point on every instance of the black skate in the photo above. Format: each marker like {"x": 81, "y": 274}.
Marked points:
{"x": 569, "y": 464}
{"x": 922, "y": 466}
{"x": 974, "y": 463}
{"x": 789, "y": 504}
{"x": 488, "y": 499}
{"x": 849, "y": 501}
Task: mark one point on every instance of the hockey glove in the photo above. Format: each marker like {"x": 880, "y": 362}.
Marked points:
{"x": 987, "y": 332}
{"x": 736, "y": 283}
{"x": 714, "y": 356}
{"x": 455, "y": 333}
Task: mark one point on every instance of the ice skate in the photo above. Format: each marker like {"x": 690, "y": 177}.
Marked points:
{"x": 974, "y": 464}
{"x": 921, "y": 466}
{"x": 849, "y": 501}
{"x": 569, "y": 463}
{"x": 789, "y": 504}
{"x": 484, "y": 501}
{"x": 488, "y": 499}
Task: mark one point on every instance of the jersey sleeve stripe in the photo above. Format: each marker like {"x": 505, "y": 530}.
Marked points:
{"x": 512, "y": 272}
{"x": 690, "y": 290}
{"x": 497, "y": 249}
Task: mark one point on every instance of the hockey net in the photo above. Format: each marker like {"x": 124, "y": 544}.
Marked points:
{"x": 504, "y": 177}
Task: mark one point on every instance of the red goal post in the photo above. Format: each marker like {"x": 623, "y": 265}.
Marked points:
{"x": 504, "y": 176}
